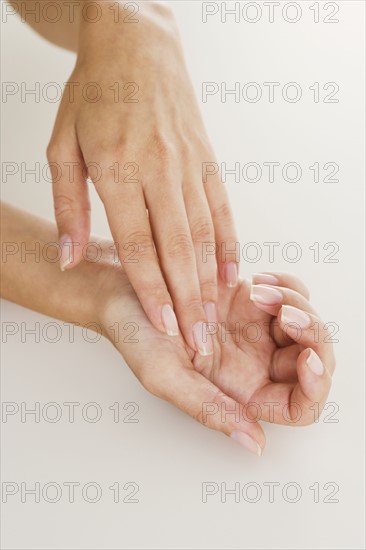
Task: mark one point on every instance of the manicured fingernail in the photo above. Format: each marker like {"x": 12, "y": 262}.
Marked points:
{"x": 264, "y": 279}
{"x": 169, "y": 320}
{"x": 231, "y": 274}
{"x": 314, "y": 363}
{"x": 246, "y": 441}
{"x": 66, "y": 251}
{"x": 210, "y": 310}
{"x": 290, "y": 314}
{"x": 202, "y": 338}
{"x": 265, "y": 295}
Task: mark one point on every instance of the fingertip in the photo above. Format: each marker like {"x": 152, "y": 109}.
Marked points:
{"x": 314, "y": 363}
{"x": 314, "y": 379}
{"x": 66, "y": 252}
{"x": 169, "y": 320}
{"x": 247, "y": 442}
{"x": 264, "y": 279}
{"x": 230, "y": 272}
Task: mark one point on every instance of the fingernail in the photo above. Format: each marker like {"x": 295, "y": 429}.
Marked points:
{"x": 290, "y": 314}
{"x": 66, "y": 251}
{"x": 314, "y": 363}
{"x": 265, "y": 295}
{"x": 169, "y": 320}
{"x": 231, "y": 274}
{"x": 264, "y": 279}
{"x": 246, "y": 441}
{"x": 210, "y": 310}
{"x": 202, "y": 338}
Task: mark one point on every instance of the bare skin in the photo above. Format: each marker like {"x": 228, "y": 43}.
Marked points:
{"x": 283, "y": 376}
{"x": 143, "y": 147}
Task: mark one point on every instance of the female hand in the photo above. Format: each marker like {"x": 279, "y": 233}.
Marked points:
{"x": 269, "y": 362}
{"x": 260, "y": 369}
{"x": 141, "y": 139}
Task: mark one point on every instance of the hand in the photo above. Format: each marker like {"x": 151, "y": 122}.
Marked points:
{"x": 155, "y": 138}
{"x": 259, "y": 366}
{"x": 268, "y": 364}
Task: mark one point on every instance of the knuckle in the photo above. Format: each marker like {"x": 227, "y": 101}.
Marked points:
{"x": 180, "y": 245}
{"x": 202, "y": 231}
{"x": 159, "y": 292}
{"x": 209, "y": 289}
{"x": 296, "y": 300}
{"x": 197, "y": 414}
{"x": 107, "y": 148}
{"x": 160, "y": 145}
{"x": 154, "y": 291}
{"x": 213, "y": 397}
{"x": 53, "y": 151}
{"x": 324, "y": 337}
{"x": 63, "y": 205}
{"x": 193, "y": 304}
{"x": 222, "y": 214}
{"x": 274, "y": 368}
{"x": 141, "y": 241}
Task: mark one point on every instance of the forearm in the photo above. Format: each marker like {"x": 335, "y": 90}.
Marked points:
{"x": 63, "y": 32}
{"x": 31, "y": 275}
{"x": 67, "y": 23}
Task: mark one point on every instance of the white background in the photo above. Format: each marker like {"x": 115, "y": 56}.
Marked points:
{"x": 166, "y": 453}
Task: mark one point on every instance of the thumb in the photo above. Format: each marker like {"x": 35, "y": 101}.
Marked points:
{"x": 195, "y": 395}
{"x": 71, "y": 200}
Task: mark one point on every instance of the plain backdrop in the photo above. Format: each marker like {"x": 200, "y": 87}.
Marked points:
{"x": 166, "y": 454}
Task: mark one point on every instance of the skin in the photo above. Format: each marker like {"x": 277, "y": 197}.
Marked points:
{"x": 243, "y": 370}
{"x": 158, "y": 141}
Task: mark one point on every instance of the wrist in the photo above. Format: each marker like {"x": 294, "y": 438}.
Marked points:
{"x": 107, "y": 27}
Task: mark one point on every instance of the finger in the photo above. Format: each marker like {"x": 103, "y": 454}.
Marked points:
{"x": 126, "y": 212}
{"x": 203, "y": 401}
{"x": 203, "y": 234}
{"x": 296, "y": 404}
{"x": 71, "y": 199}
{"x": 271, "y": 298}
{"x": 309, "y": 331}
{"x": 227, "y": 246}
{"x": 283, "y": 366}
{"x": 287, "y": 280}
{"x": 175, "y": 249}
{"x": 311, "y": 392}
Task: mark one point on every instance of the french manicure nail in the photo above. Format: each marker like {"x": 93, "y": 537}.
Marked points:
{"x": 231, "y": 274}
{"x": 169, "y": 320}
{"x": 290, "y": 314}
{"x": 246, "y": 441}
{"x": 210, "y": 310}
{"x": 264, "y": 279}
{"x": 265, "y": 295}
{"x": 66, "y": 251}
{"x": 202, "y": 339}
{"x": 314, "y": 363}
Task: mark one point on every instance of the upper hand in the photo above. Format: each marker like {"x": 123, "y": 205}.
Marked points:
{"x": 144, "y": 150}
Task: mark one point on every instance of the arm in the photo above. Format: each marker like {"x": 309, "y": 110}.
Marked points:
{"x": 64, "y": 32}
{"x": 30, "y": 273}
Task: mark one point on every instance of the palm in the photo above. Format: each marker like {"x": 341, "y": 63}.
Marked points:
{"x": 242, "y": 364}
{"x": 244, "y": 347}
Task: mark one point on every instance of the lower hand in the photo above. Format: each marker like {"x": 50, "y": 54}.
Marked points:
{"x": 268, "y": 364}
